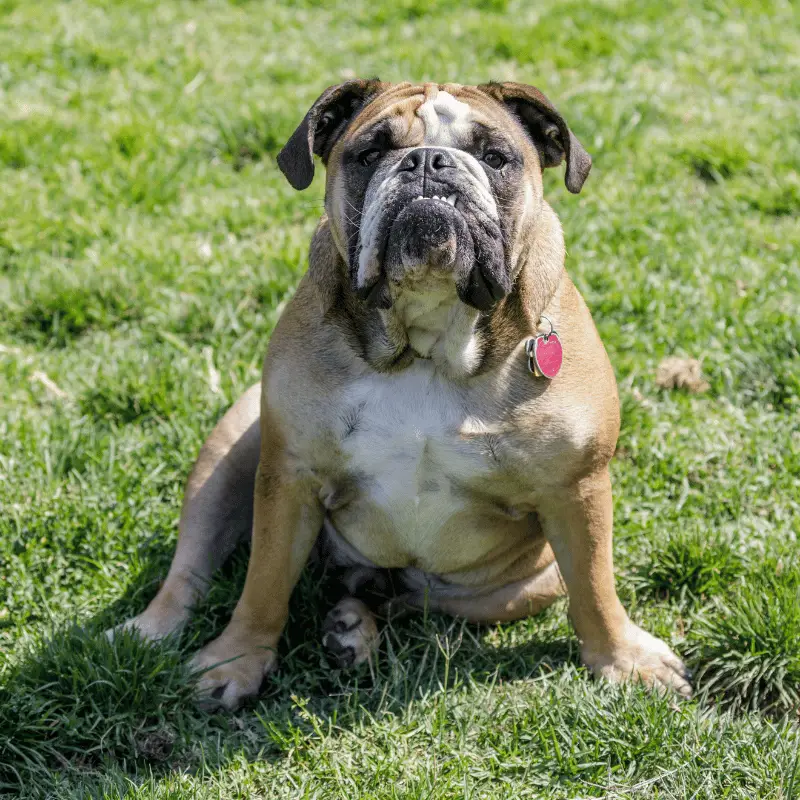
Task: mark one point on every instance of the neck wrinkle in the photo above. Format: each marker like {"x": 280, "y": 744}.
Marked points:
{"x": 537, "y": 283}
{"x": 384, "y": 341}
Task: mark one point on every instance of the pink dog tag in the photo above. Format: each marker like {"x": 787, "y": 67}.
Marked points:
{"x": 545, "y": 354}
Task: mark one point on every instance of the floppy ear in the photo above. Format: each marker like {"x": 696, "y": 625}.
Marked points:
{"x": 553, "y": 139}
{"x": 324, "y": 123}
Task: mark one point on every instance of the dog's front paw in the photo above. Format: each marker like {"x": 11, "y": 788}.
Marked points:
{"x": 232, "y": 669}
{"x": 643, "y": 658}
{"x": 150, "y": 627}
{"x": 351, "y": 633}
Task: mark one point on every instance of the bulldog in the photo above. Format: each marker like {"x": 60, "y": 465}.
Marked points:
{"x": 435, "y": 401}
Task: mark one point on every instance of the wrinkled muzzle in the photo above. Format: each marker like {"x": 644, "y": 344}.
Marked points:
{"x": 431, "y": 216}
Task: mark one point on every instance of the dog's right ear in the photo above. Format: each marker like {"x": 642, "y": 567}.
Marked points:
{"x": 322, "y": 126}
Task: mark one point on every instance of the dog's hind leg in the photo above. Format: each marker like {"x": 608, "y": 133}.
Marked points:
{"x": 217, "y": 513}
{"x": 350, "y": 633}
{"x": 514, "y": 601}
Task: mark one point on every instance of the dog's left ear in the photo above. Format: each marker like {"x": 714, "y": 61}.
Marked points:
{"x": 551, "y": 135}
{"x": 321, "y": 127}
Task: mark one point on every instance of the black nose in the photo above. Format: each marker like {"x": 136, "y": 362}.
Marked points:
{"x": 428, "y": 160}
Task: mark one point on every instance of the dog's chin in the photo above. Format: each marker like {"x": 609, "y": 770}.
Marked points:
{"x": 431, "y": 241}
{"x": 427, "y": 235}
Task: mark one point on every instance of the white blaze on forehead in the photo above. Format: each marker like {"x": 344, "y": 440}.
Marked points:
{"x": 446, "y": 119}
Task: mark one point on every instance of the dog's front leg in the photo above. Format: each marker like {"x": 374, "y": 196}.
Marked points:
{"x": 577, "y": 521}
{"x": 286, "y": 521}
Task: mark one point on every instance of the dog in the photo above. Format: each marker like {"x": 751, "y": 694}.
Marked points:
{"x": 435, "y": 400}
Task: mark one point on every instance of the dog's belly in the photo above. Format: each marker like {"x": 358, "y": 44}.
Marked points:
{"x": 422, "y": 478}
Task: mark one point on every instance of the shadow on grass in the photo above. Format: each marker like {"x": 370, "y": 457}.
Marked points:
{"x": 76, "y": 706}
{"x": 79, "y": 711}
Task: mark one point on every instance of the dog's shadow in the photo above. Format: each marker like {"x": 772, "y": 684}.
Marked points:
{"x": 86, "y": 704}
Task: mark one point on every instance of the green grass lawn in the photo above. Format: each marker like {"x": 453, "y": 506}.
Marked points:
{"x": 147, "y": 245}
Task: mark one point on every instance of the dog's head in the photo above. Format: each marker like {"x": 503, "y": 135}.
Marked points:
{"x": 432, "y": 181}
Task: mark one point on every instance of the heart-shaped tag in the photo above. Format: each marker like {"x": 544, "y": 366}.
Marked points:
{"x": 545, "y": 354}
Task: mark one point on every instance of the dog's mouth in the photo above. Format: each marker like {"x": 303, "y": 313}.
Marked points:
{"x": 450, "y": 199}
{"x": 440, "y": 236}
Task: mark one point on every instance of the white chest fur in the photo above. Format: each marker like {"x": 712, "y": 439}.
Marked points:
{"x": 407, "y": 452}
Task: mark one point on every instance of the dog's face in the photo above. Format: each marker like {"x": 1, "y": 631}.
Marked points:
{"x": 432, "y": 183}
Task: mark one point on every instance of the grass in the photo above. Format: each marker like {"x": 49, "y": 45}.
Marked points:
{"x": 147, "y": 244}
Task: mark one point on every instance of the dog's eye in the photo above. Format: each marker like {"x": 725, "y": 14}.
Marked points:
{"x": 370, "y": 156}
{"x": 494, "y": 159}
